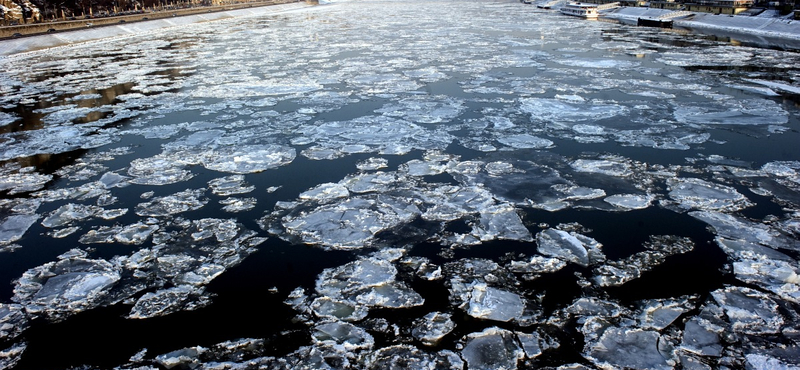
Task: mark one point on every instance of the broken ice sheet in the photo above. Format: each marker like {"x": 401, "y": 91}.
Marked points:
{"x": 136, "y": 234}
{"x": 244, "y": 159}
{"x": 693, "y": 193}
{"x": 554, "y": 110}
{"x": 569, "y": 246}
{"x": 13, "y": 227}
{"x": 630, "y": 201}
{"x": 230, "y": 185}
{"x": 350, "y": 224}
{"x": 494, "y": 304}
{"x": 431, "y": 328}
{"x": 732, "y": 112}
{"x": 158, "y": 170}
{"x": 183, "y": 201}
{"x": 234, "y": 205}
{"x": 13, "y": 321}
{"x": 70, "y": 285}
{"x": 369, "y": 283}
{"x": 525, "y": 141}
{"x": 425, "y": 109}
{"x": 373, "y": 164}
{"x": 349, "y": 336}
{"x": 629, "y": 348}
{"x": 492, "y": 349}
{"x": 166, "y": 301}
{"x": 72, "y": 212}
{"x": 657, "y": 249}
{"x": 20, "y": 180}
{"x": 749, "y": 311}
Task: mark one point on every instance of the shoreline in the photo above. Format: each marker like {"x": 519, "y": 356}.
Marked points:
{"x": 116, "y": 28}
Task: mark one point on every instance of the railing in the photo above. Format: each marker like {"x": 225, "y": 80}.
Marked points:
{"x": 675, "y": 14}
{"x": 608, "y": 6}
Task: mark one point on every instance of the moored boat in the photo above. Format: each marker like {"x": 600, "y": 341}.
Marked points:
{"x": 588, "y": 11}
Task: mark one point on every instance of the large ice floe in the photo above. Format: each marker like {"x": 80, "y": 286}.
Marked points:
{"x": 400, "y": 185}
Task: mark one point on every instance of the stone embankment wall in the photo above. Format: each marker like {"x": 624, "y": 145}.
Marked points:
{"x": 18, "y": 45}
{"x": 45, "y": 27}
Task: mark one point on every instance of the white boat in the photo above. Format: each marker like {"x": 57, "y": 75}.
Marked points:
{"x": 588, "y": 11}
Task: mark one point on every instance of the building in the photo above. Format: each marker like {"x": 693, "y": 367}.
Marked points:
{"x": 719, "y": 6}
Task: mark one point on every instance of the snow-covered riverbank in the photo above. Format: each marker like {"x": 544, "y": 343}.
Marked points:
{"x": 766, "y": 28}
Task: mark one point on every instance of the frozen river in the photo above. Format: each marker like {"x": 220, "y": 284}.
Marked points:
{"x": 385, "y": 184}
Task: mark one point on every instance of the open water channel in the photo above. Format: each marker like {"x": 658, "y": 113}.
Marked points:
{"x": 401, "y": 184}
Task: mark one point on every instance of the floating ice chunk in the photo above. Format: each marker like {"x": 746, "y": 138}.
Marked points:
{"x": 571, "y": 247}
{"x": 499, "y": 168}
{"x": 583, "y": 308}
{"x": 502, "y": 222}
{"x": 492, "y": 349}
{"x": 587, "y": 129}
{"x": 416, "y": 167}
{"x": 574, "y": 192}
{"x": 598, "y": 63}
{"x": 779, "y": 277}
{"x": 22, "y": 180}
{"x": 7, "y": 118}
{"x": 530, "y": 344}
{"x": 166, "y": 301}
{"x": 658, "y": 249}
{"x": 372, "y": 182}
{"x": 431, "y": 328}
{"x": 230, "y": 185}
{"x": 373, "y": 164}
{"x": 187, "y": 200}
{"x": 234, "y": 205}
{"x": 702, "y": 338}
{"x": 71, "y": 285}
{"x": 424, "y": 110}
{"x": 327, "y": 308}
{"x": 222, "y": 230}
{"x": 158, "y": 170}
{"x": 136, "y": 234}
{"x": 10, "y": 357}
{"x": 393, "y": 295}
{"x": 692, "y": 193}
{"x": 733, "y": 228}
{"x": 733, "y": 112}
{"x": 189, "y": 357}
{"x": 69, "y": 213}
{"x": 538, "y": 265}
{"x": 13, "y": 321}
{"x": 349, "y": 336}
{"x": 325, "y": 192}
{"x": 553, "y": 110}
{"x": 14, "y": 227}
{"x": 409, "y": 357}
{"x": 351, "y": 224}
{"x": 629, "y": 348}
{"x": 630, "y": 201}
{"x": 762, "y": 362}
{"x": 661, "y": 313}
{"x": 355, "y": 276}
{"x": 114, "y": 180}
{"x": 525, "y": 141}
{"x": 749, "y": 311}
{"x": 611, "y": 167}
{"x": 243, "y": 159}
{"x": 494, "y": 304}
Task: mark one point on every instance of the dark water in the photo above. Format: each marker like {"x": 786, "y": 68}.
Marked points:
{"x": 667, "y": 104}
